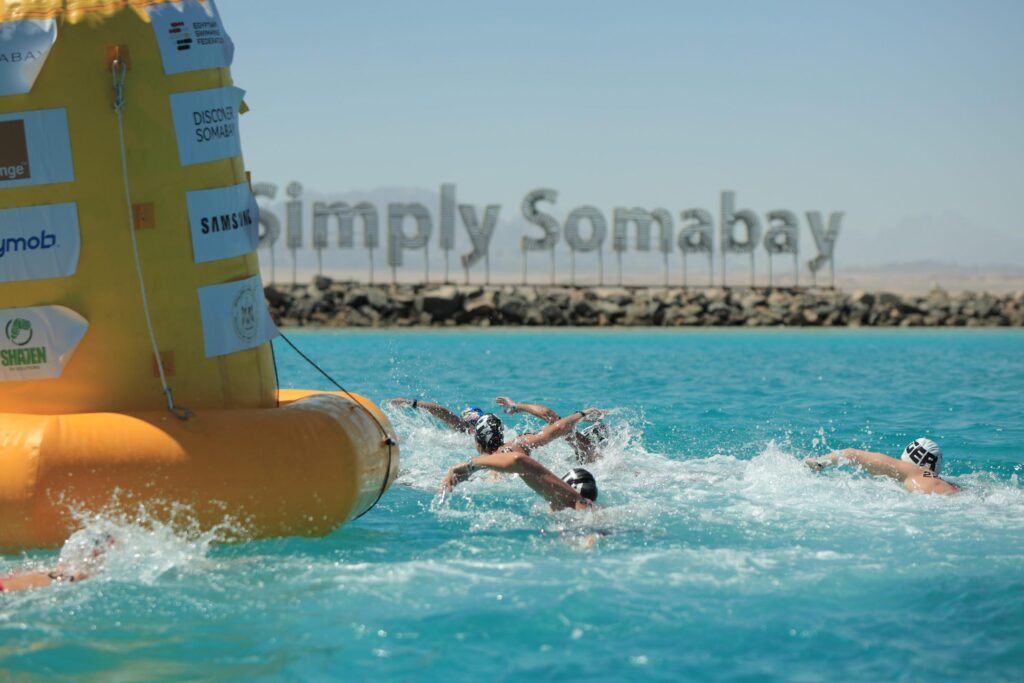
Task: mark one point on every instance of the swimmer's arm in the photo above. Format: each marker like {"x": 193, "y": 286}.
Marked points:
{"x": 440, "y": 412}
{"x": 537, "y": 410}
{"x": 26, "y": 581}
{"x": 557, "y": 429}
{"x": 537, "y": 477}
{"x": 873, "y": 463}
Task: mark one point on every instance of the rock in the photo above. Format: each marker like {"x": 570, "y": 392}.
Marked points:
{"x": 377, "y": 298}
{"x": 636, "y": 314}
{"x": 488, "y": 299}
{"x": 326, "y": 302}
{"x": 355, "y": 297}
{"x": 513, "y": 309}
{"x": 276, "y": 298}
{"x": 553, "y": 314}
{"x": 440, "y": 303}
{"x": 617, "y": 295}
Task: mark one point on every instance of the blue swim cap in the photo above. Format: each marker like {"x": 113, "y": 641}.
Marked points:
{"x": 472, "y": 414}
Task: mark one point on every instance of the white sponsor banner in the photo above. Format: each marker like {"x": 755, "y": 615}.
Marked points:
{"x": 225, "y": 222}
{"x": 37, "y": 342}
{"x": 39, "y": 242}
{"x": 191, "y": 36}
{"x": 206, "y": 122}
{"x": 24, "y": 47}
{"x": 35, "y": 148}
{"x": 235, "y": 317}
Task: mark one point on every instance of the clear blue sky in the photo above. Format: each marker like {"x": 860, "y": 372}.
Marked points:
{"x": 906, "y": 115}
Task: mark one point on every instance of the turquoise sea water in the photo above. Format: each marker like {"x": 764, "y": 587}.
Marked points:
{"x": 715, "y": 555}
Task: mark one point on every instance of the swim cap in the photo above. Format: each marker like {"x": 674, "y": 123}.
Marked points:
{"x": 582, "y": 482}
{"x": 923, "y": 453}
{"x": 596, "y": 433}
{"x": 84, "y": 547}
{"x": 472, "y": 414}
{"x": 489, "y": 432}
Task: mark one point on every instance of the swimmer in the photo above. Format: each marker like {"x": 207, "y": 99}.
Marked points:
{"x": 586, "y": 443}
{"x": 918, "y": 468}
{"x": 463, "y": 423}
{"x": 80, "y": 558}
{"x": 576, "y": 490}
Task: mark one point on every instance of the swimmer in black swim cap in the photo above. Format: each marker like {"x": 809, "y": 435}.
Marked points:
{"x": 513, "y": 457}
{"x": 583, "y": 482}
{"x": 460, "y": 423}
{"x": 587, "y": 443}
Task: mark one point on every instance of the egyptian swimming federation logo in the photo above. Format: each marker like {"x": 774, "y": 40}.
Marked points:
{"x": 18, "y": 331}
{"x": 243, "y": 315}
{"x": 13, "y": 151}
{"x": 182, "y": 40}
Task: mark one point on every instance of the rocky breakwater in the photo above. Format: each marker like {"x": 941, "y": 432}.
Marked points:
{"x": 344, "y": 304}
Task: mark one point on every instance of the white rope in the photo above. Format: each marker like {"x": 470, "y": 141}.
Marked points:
{"x": 118, "y": 70}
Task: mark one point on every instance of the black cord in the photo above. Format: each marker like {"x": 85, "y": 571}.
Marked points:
{"x": 277, "y": 378}
{"x": 388, "y": 441}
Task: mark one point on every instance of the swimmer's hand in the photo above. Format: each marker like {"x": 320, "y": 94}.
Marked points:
{"x": 592, "y": 414}
{"x": 816, "y": 464}
{"x": 396, "y": 401}
{"x": 508, "y": 404}
{"x": 456, "y": 476}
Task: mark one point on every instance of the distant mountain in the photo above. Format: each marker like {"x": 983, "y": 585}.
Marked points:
{"x": 946, "y": 238}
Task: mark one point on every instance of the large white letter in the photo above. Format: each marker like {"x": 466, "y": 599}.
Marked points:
{"x": 398, "y": 241}
{"x": 479, "y": 235}
{"x": 547, "y": 222}
{"x": 824, "y": 239}
{"x": 783, "y": 233}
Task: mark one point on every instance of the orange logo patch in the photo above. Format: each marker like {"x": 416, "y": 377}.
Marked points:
{"x": 13, "y": 151}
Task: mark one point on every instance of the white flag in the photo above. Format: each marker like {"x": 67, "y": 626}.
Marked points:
{"x": 235, "y": 317}
{"x": 24, "y": 47}
{"x": 37, "y": 342}
{"x": 206, "y": 123}
{"x": 191, "y": 36}
{"x": 39, "y": 242}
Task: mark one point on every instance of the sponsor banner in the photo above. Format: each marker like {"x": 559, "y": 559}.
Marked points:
{"x": 24, "y": 47}
{"x": 39, "y": 242}
{"x": 35, "y": 148}
{"x": 191, "y": 36}
{"x": 235, "y": 317}
{"x": 206, "y": 122}
{"x": 225, "y": 222}
{"x": 37, "y": 342}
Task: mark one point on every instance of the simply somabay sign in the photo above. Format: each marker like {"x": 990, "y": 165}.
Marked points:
{"x": 410, "y": 227}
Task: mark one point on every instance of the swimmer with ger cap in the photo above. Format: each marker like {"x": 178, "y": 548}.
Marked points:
{"x": 917, "y": 468}
{"x": 577, "y": 490}
{"x": 586, "y": 443}
{"x": 460, "y": 423}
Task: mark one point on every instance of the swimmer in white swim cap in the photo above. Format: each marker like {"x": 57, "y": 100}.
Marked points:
{"x": 573, "y": 492}
{"x": 586, "y": 443}
{"x": 464, "y": 422}
{"x": 917, "y": 468}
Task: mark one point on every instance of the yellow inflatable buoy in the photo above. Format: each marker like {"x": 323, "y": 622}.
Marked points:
{"x": 134, "y": 339}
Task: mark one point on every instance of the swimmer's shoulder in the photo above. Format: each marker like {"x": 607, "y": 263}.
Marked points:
{"x": 929, "y": 482}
